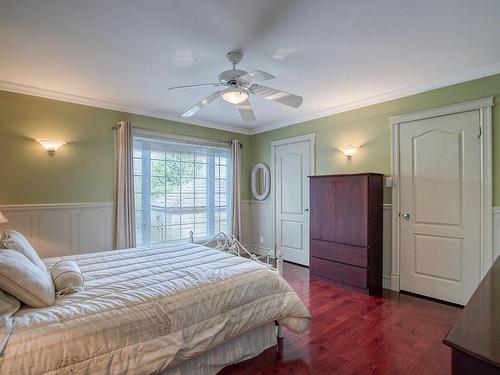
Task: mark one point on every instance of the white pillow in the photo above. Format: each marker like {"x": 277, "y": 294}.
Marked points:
{"x": 25, "y": 281}
{"x": 14, "y": 240}
{"x": 8, "y": 307}
{"x": 67, "y": 277}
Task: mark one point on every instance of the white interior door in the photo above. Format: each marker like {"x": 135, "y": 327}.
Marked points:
{"x": 292, "y": 168}
{"x": 440, "y": 204}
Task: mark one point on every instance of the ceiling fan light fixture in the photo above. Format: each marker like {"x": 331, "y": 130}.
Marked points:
{"x": 238, "y": 86}
{"x": 235, "y": 96}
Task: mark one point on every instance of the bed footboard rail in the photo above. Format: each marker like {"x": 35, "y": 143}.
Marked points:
{"x": 230, "y": 244}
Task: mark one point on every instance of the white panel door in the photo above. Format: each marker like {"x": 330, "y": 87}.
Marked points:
{"x": 440, "y": 214}
{"x": 293, "y": 166}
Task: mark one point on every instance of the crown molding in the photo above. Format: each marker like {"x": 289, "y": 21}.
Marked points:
{"x": 377, "y": 99}
{"x": 91, "y": 102}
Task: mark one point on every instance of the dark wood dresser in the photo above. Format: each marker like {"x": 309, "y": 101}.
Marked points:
{"x": 346, "y": 229}
{"x": 475, "y": 337}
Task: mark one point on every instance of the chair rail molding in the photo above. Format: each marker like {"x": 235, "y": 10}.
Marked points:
{"x": 63, "y": 228}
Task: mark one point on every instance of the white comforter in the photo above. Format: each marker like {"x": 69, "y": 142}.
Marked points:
{"x": 147, "y": 309}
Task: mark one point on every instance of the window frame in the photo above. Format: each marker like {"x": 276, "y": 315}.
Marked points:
{"x": 210, "y": 180}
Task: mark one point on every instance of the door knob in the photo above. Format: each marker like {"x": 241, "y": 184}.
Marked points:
{"x": 306, "y": 209}
{"x": 406, "y": 215}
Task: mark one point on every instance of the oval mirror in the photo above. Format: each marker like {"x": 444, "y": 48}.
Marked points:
{"x": 261, "y": 181}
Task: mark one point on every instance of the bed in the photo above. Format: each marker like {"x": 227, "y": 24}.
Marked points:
{"x": 164, "y": 309}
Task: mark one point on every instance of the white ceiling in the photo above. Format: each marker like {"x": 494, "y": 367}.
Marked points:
{"x": 337, "y": 54}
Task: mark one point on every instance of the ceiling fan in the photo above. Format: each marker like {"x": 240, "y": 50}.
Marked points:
{"x": 237, "y": 86}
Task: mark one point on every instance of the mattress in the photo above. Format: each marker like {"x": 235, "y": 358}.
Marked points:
{"x": 145, "y": 310}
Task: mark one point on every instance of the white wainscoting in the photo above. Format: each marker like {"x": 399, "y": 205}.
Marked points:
{"x": 496, "y": 232}
{"x": 76, "y": 228}
{"x": 257, "y": 224}
{"x": 389, "y": 281}
{"x": 63, "y": 229}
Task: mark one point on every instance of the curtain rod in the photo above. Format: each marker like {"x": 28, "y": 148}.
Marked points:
{"x": 175, "y": 136}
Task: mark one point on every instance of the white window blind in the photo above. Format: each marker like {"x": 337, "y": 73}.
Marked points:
{"x": 180, "y": 187}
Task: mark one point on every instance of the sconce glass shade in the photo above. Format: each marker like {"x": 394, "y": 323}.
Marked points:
{"x": 348, "y": 150}
{"x": 3, "y": 219}
{"x": 51, "y": 145}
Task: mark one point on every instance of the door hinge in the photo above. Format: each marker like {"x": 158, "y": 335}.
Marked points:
{"x": 480, "y": 132}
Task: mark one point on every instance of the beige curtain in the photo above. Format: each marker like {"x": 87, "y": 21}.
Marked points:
{"x": 124, "y": 187}
{"x": 236, "y": 193}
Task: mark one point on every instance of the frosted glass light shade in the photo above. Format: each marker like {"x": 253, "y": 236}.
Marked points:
{"x": 348, "y": 150}
{"x": 51, "y": 145}
{"x": 234, "y": 96}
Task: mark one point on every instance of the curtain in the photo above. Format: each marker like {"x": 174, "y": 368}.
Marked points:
{"x": 236, "y": 192}
{"x": 124, "y": 187}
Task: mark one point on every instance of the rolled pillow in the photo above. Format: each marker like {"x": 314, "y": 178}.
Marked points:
{"x": 14, "y": 240}
{"x": 67, "y": 277}
{"x": 22, "y": 279}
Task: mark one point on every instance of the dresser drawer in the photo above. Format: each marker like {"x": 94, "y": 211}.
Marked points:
{"x": 355, "y": 276}
{"x": 353, "y": 255}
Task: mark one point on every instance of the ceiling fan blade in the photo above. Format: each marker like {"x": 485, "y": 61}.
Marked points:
{"x": 246, "y": 111}
{"x": 277, "y": 95}
{"x": 258, "y": 75}
{"x": 201, "y": 104}
{"x": 193, "y": 86}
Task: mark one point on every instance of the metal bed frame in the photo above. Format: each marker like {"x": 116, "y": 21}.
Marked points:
{"x": 230, "y": 244}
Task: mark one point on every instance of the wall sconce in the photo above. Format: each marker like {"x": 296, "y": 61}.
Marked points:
{"x": 348, "y": 150}
{"x": 51, "y": 145}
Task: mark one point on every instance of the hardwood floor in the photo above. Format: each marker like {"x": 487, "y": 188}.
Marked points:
{"x": 352, "y": 333}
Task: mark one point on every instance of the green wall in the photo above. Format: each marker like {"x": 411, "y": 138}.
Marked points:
{"x": 81, "y": 170}
{"x": 369, "y": 127}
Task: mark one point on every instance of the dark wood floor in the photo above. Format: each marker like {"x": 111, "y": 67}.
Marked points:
{"x": 352, "y": 333}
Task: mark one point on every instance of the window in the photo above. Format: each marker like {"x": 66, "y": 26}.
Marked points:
{"x": 180, "y": 187}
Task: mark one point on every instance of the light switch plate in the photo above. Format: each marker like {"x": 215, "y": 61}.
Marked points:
{"x": 388, "y": 182}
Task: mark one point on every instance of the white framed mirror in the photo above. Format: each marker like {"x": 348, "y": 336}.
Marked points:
{"x": 261, "y": 181}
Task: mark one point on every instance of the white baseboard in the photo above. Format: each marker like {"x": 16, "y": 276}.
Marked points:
{"x": 393, "y": 283}
{"x": 386, "y": 282}
{"x": 390, "y": 282}
{"x": 259, "y": 250}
